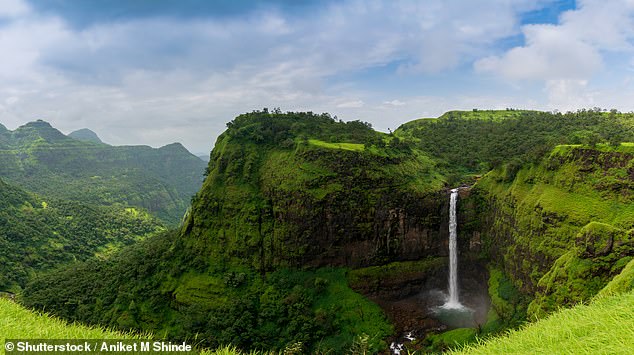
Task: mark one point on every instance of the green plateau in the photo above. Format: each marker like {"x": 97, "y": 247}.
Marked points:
{"x": 310, "y": 234}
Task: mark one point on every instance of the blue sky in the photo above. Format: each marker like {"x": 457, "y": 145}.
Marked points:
{"x": 156, "y": 71}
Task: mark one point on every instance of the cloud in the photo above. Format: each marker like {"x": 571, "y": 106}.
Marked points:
{"x": 12, "y": 8}
{"x": 571, "y": 50}
{"x": 157, "y": 79}
{"x": 551, "y": 54}
{"x": 394, "y": 103}
{"x": 569, "y": 95}
{"x": 351, "y": 104}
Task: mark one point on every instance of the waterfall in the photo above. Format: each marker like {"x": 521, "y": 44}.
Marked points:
{"x": 453, "y": 253}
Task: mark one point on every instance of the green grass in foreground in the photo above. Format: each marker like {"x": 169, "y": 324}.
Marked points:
{"x": 605, "y": 326}
{"x": 17, "y": 322}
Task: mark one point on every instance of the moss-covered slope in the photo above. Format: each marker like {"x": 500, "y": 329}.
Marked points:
{"x": 562, "y": 228}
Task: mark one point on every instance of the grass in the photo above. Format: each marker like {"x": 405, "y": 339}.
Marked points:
{"x": 17, "y": 322}
{"x": 604, "y": 327}
{"x": 344, "y": 146}
{"x": 625, "y": 147}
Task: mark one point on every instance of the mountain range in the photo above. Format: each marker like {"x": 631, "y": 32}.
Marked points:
{"x": 79, "y": 167}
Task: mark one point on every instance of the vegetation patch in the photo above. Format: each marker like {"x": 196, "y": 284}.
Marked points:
{"x": 605, "y": 326}
{"x": 621, "y": 283}
{"x": 344, "y": 146}
{"x": 372, "y": 277}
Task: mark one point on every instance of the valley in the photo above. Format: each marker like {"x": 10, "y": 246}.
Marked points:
{"x": 328, "y": 236}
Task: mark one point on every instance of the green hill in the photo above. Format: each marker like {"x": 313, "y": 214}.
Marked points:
{"x": 474, "y": 142}
{"x": 41, "y": 159}
{"x": 85, "y": 134}
{"x": 38, "y": 234}
{"x": 302, "y": 189}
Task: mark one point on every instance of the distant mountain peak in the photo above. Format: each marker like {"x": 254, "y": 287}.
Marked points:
{"x": 175, "y": 145}
{"x": 38, "y": 124}
{"x": 39, "y": 128}
{"x": 85, "y": 134}
{"x": 176, "y": 148}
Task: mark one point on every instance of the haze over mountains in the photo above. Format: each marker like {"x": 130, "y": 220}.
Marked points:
{"x": 79, "y": 167}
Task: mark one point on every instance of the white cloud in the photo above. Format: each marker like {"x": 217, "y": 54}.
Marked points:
{"x": 394, "y": 103}
{"x": 157, "y": 80}
{"x": 569, "y": 95}
{"x": 351, "y": 104}
{"x": 551, "y": 53}
{"x": 571, "y": 57}
{"x": 570, "y": 50}
{"x": 12, "y": 8}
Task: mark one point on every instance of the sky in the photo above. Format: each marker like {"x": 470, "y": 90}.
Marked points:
{"x": 155, "y": 72}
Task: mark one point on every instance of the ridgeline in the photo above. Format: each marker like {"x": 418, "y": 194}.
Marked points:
{"x": 41, "y": 159}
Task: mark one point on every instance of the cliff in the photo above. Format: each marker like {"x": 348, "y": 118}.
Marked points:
{"x": 305, "y": 190}
{"x": 561, "y": 229}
